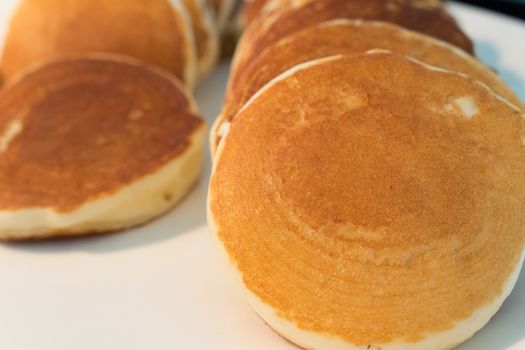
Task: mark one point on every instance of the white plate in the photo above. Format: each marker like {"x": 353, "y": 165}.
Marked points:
{"x": 161, "y": 287}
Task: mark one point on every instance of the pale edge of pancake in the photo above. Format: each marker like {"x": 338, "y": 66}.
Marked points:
{"x": 203, "y": 66}
{"x": 443, "y": 44}
{"x": 135, "y": 204}
{"x": 220, "y": 127}
{"x": 4, "y": 28}
{"x": 224, "y": 15}
{"x": 207, "y": 64}
{"x": 462, "y": 331}
{"x": 190, "y": 77}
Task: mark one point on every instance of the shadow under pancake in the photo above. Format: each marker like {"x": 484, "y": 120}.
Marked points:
{"x": 489, "y": 54}
{"x": 506, "y": 327}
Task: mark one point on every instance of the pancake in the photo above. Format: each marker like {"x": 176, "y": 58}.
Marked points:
{"x": 232, "y": 30}
{"x": 251, "y": 9}
{"x": 150, "y": 30}
{"x": 205, "y": 34}
{"x": 94, "y": 144}
{"x": 379, "y": 205}
{"x": 346, "y": 37}
{"x": 428, "y": 17}
{"x": 222, "y": 10}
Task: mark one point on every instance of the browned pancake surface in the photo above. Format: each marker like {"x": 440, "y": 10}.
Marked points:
{"x": 429, "y": 18}
{"x": 368, "y": 205}
{"x": 251, "y": 10}
{"x": 89, "y": 128}
{"x": 346, "y": 37}
{"x": 150, "y": 30}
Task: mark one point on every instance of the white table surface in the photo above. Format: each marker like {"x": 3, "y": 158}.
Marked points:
{"x": 162, "y": 287}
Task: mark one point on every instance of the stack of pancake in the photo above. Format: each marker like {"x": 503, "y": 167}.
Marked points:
{"x": 367, "y": 187}
{"x": 98, "y": 127}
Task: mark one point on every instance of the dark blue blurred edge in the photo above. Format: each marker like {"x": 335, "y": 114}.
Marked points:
{"x": 514, "y": 8}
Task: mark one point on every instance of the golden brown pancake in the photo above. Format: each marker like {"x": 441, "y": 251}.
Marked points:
{"x": 379, "y": 205}
{"x": 93, "y": 144}
{"x": 251, "y": 9}
{"x": 254, "y": 8}
{"x": 426, "y": 17}
{"x": 205, "y": 34}
{"x": 346, "y": 37}
{"x": 150, "y": 30}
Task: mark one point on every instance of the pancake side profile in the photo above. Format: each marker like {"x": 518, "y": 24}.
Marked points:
{"x": 153, "y": 31}
{"x": 93, "y": 144}
{"x": 206, "y": 35}
{"x": 379, "y": 205}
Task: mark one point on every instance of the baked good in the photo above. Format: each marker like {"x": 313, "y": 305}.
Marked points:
{"x": 379, "y": 205}
{"x": 206, "y": 35}
{"x": 154, "y": 31}
{"x": 93, "y": 144}
{"x": 223, "y": 10}
{"x": 252, "y": 9}
{"x": 425, "y": 16}
{"x": 344, "y": 36}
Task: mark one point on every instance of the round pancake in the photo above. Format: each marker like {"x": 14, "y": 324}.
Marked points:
{"x": 205, "y": 34}
{"x": 94, "y": 144}
{"x": 379, "y": 205}
{"x": 346, "y": 37}
{"x": 149, "y": 30}
{"x": 429, "y": 17}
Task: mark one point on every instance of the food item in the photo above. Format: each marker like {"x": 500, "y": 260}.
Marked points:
{"x": 223, "y": 10}
{"x": 206, "y": 35}
{"x": 428, "y": 17}
{"x": 252, "y": 9}
{"x": 154, "y": 31}
{"x": 93, "y": 144}
{"x": 379, "y": 204}
{"x": 346, "y": 37}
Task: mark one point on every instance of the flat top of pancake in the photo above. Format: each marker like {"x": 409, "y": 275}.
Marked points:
{"x": 150, "y": 30}
{"x": 295, "y": 15}
{"x": 378, "y": 200}
{"x": 80, "y": 129}
{"x": 351, "y": 36}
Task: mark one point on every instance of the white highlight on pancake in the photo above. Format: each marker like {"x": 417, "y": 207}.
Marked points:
{"x": 467, "y": 106}
{"x": 13, "y": 130}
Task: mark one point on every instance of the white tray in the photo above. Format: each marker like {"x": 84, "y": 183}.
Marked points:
{"x": 161, "y": 286}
